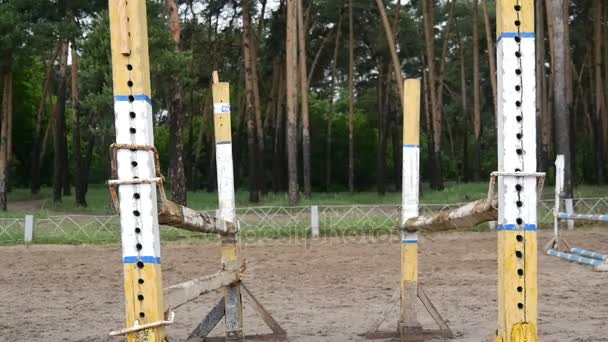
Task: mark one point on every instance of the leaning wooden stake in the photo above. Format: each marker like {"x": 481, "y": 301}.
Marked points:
{"x": 136, "y": 180}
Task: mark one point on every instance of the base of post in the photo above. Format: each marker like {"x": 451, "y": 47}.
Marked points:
{"x": 412, "y": 331}
{"x": 217, "y": 313}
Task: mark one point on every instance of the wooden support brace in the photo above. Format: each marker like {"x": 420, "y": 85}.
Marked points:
{"x": 180, "y": 294}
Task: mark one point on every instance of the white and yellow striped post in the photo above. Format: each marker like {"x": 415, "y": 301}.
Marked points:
{"x": 136, "y": 171}
{"x": 409, "y": 325}
{"x": 517, "y": 194}
{"x": 233, "y": 318}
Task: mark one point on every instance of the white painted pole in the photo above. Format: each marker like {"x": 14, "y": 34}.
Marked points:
{"x": 28, "y": 229}
{"x": 559, "y": 185}
{"x": 314, "y": 221}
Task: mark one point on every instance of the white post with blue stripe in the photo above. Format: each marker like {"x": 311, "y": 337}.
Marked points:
{"x": 409, "y": 324}
{"x": 517, "y": 195}
{"x": 136, "y": 173}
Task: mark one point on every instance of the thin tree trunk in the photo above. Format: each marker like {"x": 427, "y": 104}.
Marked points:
{"x": 279, "y": 136}
{"x": 330, "y": 115}
{"x": 562, "y": 115}
{"x": 351, "y": 104}
{"x": 302, "y": 33}
{"x": 315, "y": 61}
{"x": 34, "y": 155}
{"x": 464, "y": 100}
{"x": 491, "y": 52}
{"x": 476, "y": 95}
{"x": 78, "y": 166}
{"x": 291, "y": 49}
{"x": 176, "y": 118}
{"x": 6, "y": 113}
{"x": 392, "y": 47}
{"x": 600, "y": 104}
{"x": 381, "y": 160}
{"x": 250, "y": 108}
{"x": 540, "y": 81}
{"x": 59, "y": 132}
{"x": 436, "y": 178}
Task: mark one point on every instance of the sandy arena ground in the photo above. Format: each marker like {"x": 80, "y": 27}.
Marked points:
{"x": 332, "y": 291}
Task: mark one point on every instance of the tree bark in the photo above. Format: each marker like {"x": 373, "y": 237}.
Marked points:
{"x": 4, "y": 135}
{"x": 562, "y": 115}
{"x": 464, "y": 100}
{"x": 291, "y": 48}
{"x": 600, "y": 104}
{"x": 351, "y": 104}
{"x": 302, "y": 34}
{"x": 79, "y": 192}
{"x": 380, "y": 157}
{"x": 491, "y": 51}
{"x": 330, "y": 115}
{"x": 250, "y": 108}
{"x": 59, "y": 131}
{"x": 176, "y": 118}
{"x": 393, "y": 49}
{"x": 540, "y": 82}
{"x": 436, "y": 177}
{"x": 476, "y": 95}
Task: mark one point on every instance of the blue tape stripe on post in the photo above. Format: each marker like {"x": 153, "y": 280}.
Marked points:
{"x": 144, "y": 259}
{"x": 589, "y": 254}
{"x": 411, "y": 146}
{"x": 141, "y": 97}
{"x": 514, "y": 34}
{"x": 409, "y": 241}
{"x": 516, "y": 228}
{"x": 574, "y": 258}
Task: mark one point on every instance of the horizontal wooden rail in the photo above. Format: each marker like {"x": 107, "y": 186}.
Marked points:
{"x": 178, "y": 216}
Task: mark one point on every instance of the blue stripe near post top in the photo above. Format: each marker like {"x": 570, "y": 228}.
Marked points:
{"x": 411, "y": 146}
{"x": 409, "y": 241}
{"x": 144, "y": 259}
{"x": 516, "y": 228}
{"x": 514, "y": 34}
{"x": 141, "y": 97}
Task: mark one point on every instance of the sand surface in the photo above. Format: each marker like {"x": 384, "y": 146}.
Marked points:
{"x": 331, "y": 290}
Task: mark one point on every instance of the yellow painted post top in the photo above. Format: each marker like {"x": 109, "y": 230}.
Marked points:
{"x": 411, "y": 112}
{"x": 507, "y": 14}
{"x": 135, "y": 66}
{"x": 221, "y": 112}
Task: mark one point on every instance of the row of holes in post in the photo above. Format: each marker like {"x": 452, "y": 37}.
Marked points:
{"x": 518, "y": 88}
{"x": 140, "y": 264}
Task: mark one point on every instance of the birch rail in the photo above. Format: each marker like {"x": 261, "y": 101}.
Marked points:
{"x": 469, "y": 215}
{"x": 179, "y": 216}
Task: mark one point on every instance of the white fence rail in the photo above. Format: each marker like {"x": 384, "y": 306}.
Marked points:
{"x": 268, "y": 221}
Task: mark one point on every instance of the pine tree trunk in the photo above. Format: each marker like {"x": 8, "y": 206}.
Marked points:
{"x": 304, "y": 87}
{"x": 436, "y": 177}
{"x": 59, "y": 131}
{"x": 79, "y": 180}
{"x": 351, "y": 104}
{"x": 291, "y": 49}
{"x": 392, "y": 48}
{"x": 540, "y": 82}
{"x": 491, "y": 49}
{"x": 250, "y": 108}
{"x": 6, "y": 113}
{"x": 464, "y": 100}
{"x": 600, "y": 103}
{"x": 176, "y": 118}
{"x": 37, "y": 137}
{"x": 380, "y": 154}
{"x": 562, "y": 115}
{"x": 330, "y": 115}
{"x": 476, "y": 95}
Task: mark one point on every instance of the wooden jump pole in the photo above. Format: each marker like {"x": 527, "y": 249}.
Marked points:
{"x": 233, "y": 318}
{"x": 137, "y": 181}
{"x": 517, "y": 178}
{"x": 409, "y": 207}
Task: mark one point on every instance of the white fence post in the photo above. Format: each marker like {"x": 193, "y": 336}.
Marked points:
{"x": 314, "y": 220}
{"x": 28, "y": 229}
